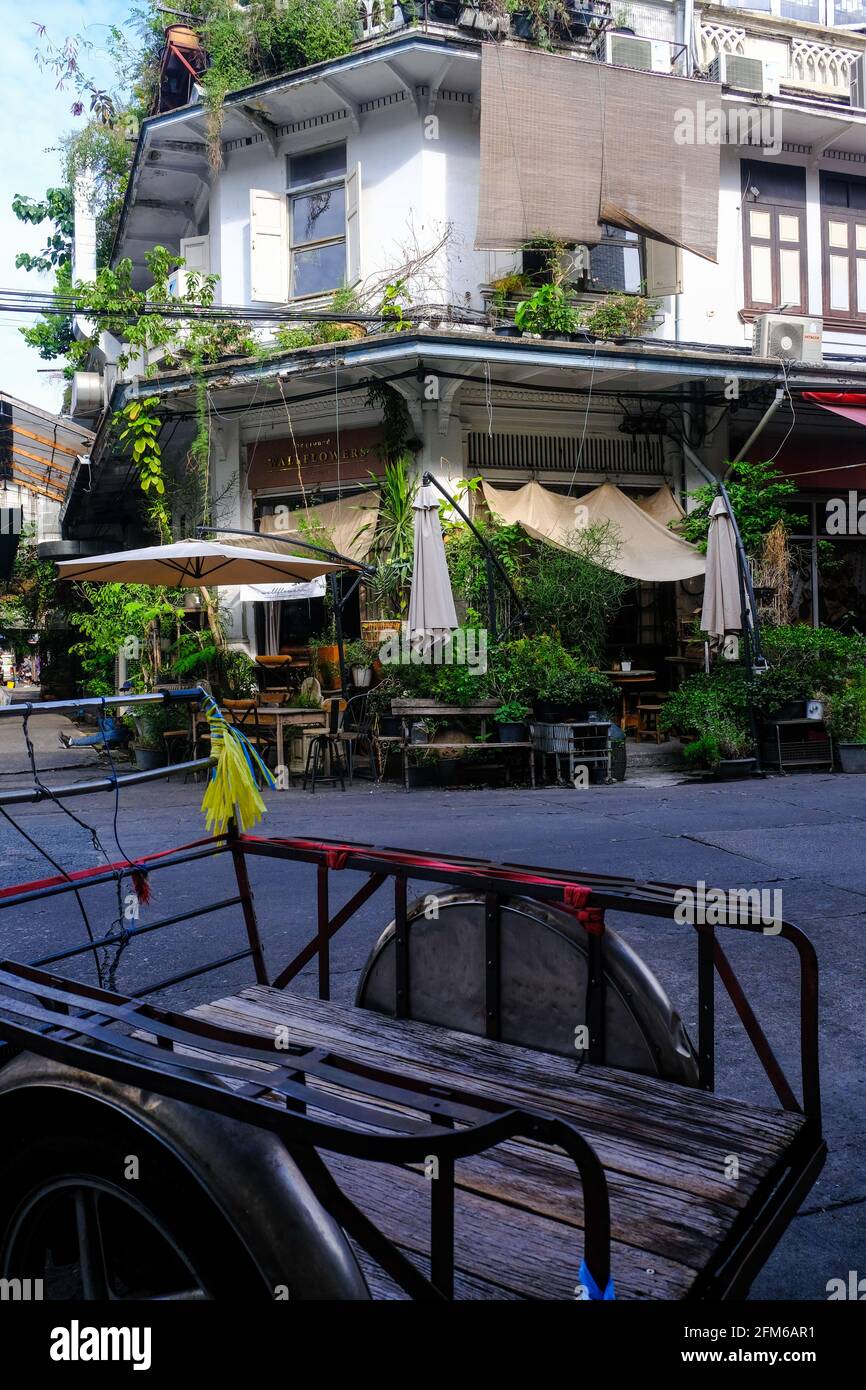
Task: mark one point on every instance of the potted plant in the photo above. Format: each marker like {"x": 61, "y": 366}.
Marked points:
{"x": 148, "y": 726}
{"x": 547, "y": 312}
{"x": 847, "y": 723}
{"x": 736, "y": 751}
{"x": 325, "y": 654}
{"x": 359, "y": 657}
{"x": 511, "y": 719}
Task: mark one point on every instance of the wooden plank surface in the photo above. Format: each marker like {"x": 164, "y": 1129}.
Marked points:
{"x": 520, "y": 1206}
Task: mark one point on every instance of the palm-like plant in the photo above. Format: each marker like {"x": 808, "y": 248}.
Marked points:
{"x": 395, "y": 535}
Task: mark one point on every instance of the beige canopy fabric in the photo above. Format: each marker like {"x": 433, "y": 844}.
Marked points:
{"x": 647, "y": 550}
{"x": 567, "y": 144}
{"x": 662, "y": 506}
{"x": 190, "y": 564}
{"x": 432, "y": 615}
{"x": 722, "y": 611}
{"x": 348, "y": 526}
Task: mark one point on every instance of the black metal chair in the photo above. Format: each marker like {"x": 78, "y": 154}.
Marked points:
{"x": 356, "y": 732}
{"x": 327, "y": 747}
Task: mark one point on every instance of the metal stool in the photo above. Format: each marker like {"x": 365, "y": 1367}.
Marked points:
{"x": 327, "y": 743}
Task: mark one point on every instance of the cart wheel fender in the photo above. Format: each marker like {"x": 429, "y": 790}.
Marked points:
{"x": 247, "y": 1174}
{"x": 542, "y": 983}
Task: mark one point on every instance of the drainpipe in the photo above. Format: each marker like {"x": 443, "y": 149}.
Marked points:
{"x": 761, "y": 426}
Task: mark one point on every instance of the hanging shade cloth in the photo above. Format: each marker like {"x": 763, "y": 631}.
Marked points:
{"x": 647, "y": 550}
{"x": 568, "y": 144}
{"x": 722, "y": 610}
{"x": 431, "y": 602}
{"x": 188, "y": 564}
{"x": 662, "y": 506}
{"x": 347, "y": 526}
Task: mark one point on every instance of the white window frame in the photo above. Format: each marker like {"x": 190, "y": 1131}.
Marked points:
{"x": 827, "y": 17}
{"x": 303, "y": 190}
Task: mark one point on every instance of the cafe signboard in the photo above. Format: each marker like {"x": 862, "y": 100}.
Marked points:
{"x": 284, "y": 464}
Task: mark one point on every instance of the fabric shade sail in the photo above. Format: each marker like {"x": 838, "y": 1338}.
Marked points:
{"x": 662, "y": 506}
{"x": 722, "y": 610}
{"x": 347, "y": 526}
{"x": 190, "y": 564}
{"x": 569, "y": 144}
{"x": 647, "y": 550}
{"x": 432, "y": 614}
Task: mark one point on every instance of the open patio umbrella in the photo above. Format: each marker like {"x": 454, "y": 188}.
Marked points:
{"x": 432, "y": 615}
{"x": 723, "y": 609}
{"x": 190, "y": 564}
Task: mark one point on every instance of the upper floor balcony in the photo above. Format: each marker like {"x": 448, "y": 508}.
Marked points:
{"x": 800, "y": 55}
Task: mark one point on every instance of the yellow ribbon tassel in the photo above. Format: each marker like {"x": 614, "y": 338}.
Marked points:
{"x": 232, "y": 791}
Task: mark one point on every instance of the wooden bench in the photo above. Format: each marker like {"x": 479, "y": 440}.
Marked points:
{"x": 676, "y": 1217}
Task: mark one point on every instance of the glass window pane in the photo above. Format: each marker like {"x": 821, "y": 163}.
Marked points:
{"x": 861, "y": 237}
{"x": 759, "y": 224}
{"x": 808, "y": 10}
{"x": 849, "y": 11}
{"x": 789, "y": 227}
{"x": 329, "y": 163}
{"x": 861, "y": 284}
{"x": 323, "y": 268}
{"x": 789, "y": 267}
{"x": 837, "y": 233}
{"x": 839, "y": 282}
{"x": 762, "y": 275}
{"x": 316, "y": 216}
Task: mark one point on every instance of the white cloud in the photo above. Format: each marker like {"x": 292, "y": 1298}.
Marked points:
{"x": 33, "y": 116}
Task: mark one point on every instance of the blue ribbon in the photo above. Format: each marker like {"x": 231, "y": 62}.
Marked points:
{"x": 594, "y": 1293}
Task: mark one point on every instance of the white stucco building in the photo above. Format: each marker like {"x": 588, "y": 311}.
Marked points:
{"x": 351, "y": 172}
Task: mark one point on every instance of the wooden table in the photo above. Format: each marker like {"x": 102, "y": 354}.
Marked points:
{"x": 625, "y": 680}
{"x": 281, "y": 716}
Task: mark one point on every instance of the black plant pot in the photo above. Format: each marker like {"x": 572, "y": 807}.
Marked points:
{"x": 732, "y": 769}
{"x": 512, "y": 733}
{"x": 523, "y": 24}
{"x": 445, "y": 11}
{"x": 390, "y": 725}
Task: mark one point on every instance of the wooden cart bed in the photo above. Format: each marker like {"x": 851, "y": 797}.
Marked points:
{"x": 675, "y": 1216}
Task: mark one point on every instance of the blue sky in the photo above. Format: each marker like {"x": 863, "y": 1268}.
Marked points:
{"x": 32, "y": 116}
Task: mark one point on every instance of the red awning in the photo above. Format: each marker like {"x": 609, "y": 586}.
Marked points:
{"x": 850, "y": 404}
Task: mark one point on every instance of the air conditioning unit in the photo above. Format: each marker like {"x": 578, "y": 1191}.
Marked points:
{"x": 628, "y": 51}
{"x": 788, "y": 337}
{"x": 745, "y": 74}
{"x": 857, "y": 82}
{"x": 88, "y": 394}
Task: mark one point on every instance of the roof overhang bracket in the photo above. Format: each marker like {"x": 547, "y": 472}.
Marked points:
{"x": 435, "y": 87}
{"x": 406, "y": 83}
{"x": 353, "y": 108}
{"x": 261, "y": 123}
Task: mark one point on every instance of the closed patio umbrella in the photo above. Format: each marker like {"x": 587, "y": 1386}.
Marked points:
{"x": 432, "y": 615}
{"x": 722, "y": 611}
{"x": 190, "y": 564}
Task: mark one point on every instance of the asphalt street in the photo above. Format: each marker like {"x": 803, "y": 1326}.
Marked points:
{"x": 804, "y": 835}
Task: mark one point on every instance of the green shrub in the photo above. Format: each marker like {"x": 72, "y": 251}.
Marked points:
{"x": 721, "y": 694}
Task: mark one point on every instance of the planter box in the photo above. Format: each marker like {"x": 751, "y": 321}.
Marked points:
{"x": 732, "y": 769}
{"x": 852, "y": 756}
{"x": 513, "y": 733}
{"x": 148, "y": 759}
